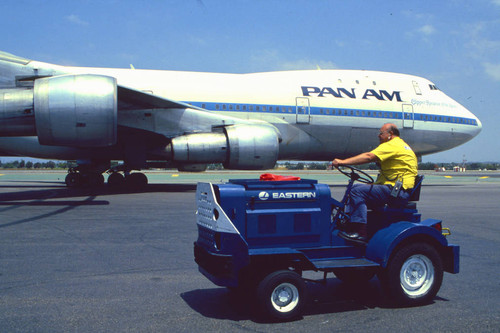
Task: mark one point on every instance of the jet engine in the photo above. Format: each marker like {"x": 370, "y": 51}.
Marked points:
{"x": 241, "y": 146}
{"x": 76, "y": 110}
{"x": 69, "y": 110}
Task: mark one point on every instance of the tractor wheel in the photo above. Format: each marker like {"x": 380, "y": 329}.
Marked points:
{"x": 282, "y": 295}
{"x": 413, "y": 275}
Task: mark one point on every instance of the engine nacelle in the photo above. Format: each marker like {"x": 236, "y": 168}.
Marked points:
{"x": 242, "y": 147}
{"x": 252, "y": 147}
{"x": 76, "y": 110}
{"x": 16, "y": 112}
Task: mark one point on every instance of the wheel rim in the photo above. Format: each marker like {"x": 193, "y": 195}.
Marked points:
{"x": 417, "y": 275}
{"x": 285, "y": 297}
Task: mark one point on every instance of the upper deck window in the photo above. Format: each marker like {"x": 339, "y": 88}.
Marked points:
{"x": 417, "y": 88}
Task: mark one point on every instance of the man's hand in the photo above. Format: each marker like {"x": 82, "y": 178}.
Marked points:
{"x": 336, "y": 162}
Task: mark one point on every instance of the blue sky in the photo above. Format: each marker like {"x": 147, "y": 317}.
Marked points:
{"x": 455, "y": 44}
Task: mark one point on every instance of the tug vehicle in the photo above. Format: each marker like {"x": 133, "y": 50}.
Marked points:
{"x": 260, "y": 236}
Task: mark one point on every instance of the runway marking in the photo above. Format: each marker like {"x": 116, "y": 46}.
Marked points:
{"x": 175, "y": 175}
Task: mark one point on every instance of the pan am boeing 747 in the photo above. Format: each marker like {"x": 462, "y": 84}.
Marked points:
{"x": 189, "y": 119}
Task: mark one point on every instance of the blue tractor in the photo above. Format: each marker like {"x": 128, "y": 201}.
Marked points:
{"x": 260, "y": 236}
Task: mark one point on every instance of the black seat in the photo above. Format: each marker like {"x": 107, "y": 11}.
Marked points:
{"x": 415, "y": 191}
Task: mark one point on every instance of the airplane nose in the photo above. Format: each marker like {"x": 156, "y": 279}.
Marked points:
{"x": 477, "y": 126}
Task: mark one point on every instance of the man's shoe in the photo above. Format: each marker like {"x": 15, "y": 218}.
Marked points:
{"x": 353, "y": 237}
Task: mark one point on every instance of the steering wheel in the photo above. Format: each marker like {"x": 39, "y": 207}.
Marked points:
{"x": 356, "y": 174}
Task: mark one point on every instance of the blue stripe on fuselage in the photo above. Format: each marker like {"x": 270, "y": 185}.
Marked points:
{"x": 291, "y": 110}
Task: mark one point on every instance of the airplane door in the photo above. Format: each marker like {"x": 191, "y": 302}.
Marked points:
{"x": 303, "y": 110}
{"x": 408, "y": 118}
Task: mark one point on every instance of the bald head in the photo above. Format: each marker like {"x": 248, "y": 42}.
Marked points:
{"x": 387, "y": 132}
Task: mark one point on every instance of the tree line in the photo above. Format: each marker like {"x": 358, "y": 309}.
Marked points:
{"x": 22, "y": 164}
{"x": 288, "y": 165}
{"x": 373, "y": 166}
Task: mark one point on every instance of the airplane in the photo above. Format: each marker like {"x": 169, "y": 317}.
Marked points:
{"x": 151, "y": 118}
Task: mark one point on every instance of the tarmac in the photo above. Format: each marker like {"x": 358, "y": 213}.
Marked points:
{"x": 95, "y": 260}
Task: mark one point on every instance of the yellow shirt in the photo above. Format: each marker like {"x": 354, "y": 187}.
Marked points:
{"x": 397, "y": 161}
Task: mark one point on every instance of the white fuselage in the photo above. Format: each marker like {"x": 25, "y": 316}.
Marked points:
{"x": 319, "y": 114}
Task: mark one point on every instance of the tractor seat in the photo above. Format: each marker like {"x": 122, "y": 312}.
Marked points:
{"x": 415, "y": 191}
{"x": 394, "y": 212}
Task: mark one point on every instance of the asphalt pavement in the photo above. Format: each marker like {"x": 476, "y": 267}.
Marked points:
{"x": 83, "y": 260}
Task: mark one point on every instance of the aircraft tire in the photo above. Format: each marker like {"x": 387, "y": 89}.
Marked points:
{"x": 72, "y": 179}
{"x": 116, "y": 179}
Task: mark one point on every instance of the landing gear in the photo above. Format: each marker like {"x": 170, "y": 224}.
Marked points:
{"x": 132, "y": 180}
{"x": 76, "y": 179}
{"x": 89, "y": 174}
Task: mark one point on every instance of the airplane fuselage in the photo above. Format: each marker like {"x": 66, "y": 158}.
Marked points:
{"x": 319, "y": 115}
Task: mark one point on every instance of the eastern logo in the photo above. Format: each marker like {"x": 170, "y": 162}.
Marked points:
{"x": 287, "y": 195}
{"x": 263, "y": 195}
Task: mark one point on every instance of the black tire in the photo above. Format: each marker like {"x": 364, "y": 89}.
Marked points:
{"x": 116, "y": 180}
{"x": 282, "y": 295}
{"x": 72, "y": 179}
{"x": 355, "y": 274}
{"x": 413, "y": 275}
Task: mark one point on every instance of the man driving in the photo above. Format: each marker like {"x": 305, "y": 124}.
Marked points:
{"x": 398, "y": 169}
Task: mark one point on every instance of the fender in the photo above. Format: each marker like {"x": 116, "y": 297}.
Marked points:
{"x": 385, "y": 240}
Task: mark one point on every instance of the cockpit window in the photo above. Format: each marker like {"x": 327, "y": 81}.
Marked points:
{"x": 433, "y": 87}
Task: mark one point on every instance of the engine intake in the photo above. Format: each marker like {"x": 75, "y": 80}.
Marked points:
{"x": 241, "y": 147}
{"x": 76, "y": 110}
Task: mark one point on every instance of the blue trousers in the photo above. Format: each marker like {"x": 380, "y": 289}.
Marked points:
{"x": 364, "y": 196}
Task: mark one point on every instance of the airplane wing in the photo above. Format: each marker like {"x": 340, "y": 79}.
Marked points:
{"x": 131, "y": 99}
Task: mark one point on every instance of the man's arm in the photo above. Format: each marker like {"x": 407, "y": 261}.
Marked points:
{"x": 356, "y": 160}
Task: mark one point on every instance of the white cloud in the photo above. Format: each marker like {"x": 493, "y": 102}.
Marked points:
{"x": 76, "y": 20}
{"x": 480, "y": 43}
{"x": 492, "y": 70}
{"x": 427, "y": 30}
{"x": 417, "y": 15}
